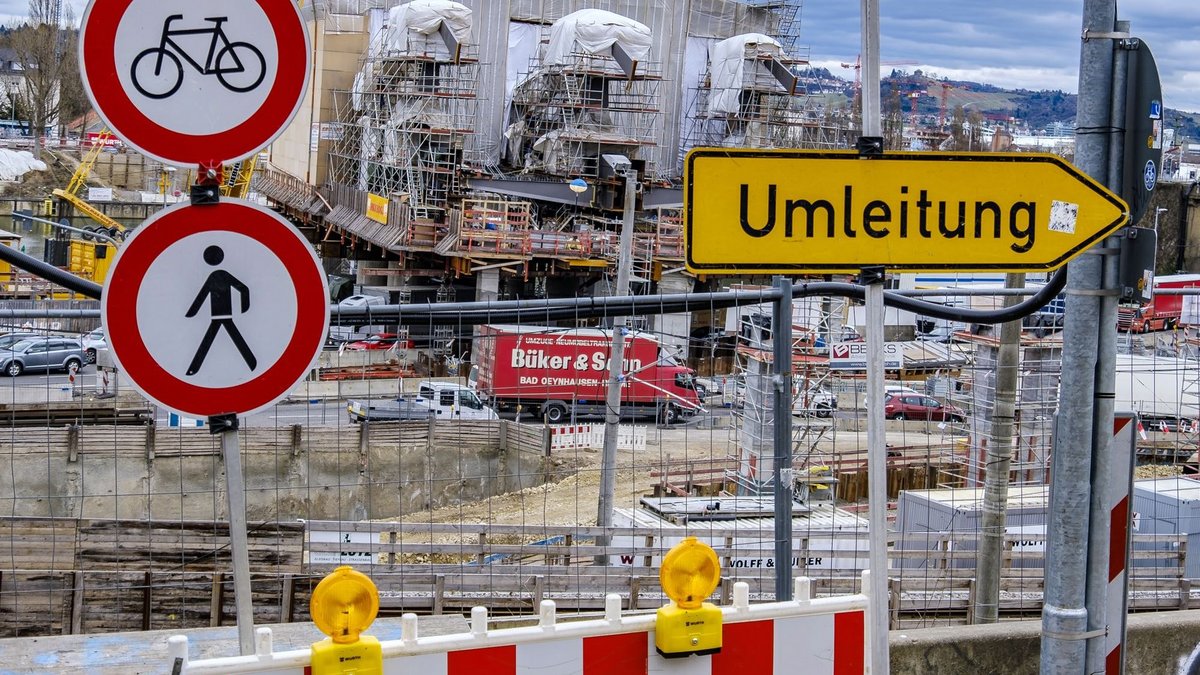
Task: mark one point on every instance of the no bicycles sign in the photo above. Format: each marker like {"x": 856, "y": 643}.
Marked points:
{"x": 191, "y": 82}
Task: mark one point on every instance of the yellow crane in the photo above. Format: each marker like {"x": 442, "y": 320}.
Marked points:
{"x": 88, "y": 259}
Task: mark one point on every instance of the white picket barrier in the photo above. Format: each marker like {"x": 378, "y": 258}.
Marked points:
{"x": 572, "y": 436}
{"x": 821, "y": 636}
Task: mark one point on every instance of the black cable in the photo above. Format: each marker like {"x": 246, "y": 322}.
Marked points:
{"x": 50, "y": 273}
{"x": 519, "y": 311}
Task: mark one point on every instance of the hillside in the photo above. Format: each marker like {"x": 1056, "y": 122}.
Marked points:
{"x": 1035, "y": 109}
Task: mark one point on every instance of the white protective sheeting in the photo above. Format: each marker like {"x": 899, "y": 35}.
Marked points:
{"x": 412, "y": 28}
{"x": 694, "y": 65}
{"x": 17, "y": 163}
{"x": 732, "y": 72}
{"x": 595, "y": 31}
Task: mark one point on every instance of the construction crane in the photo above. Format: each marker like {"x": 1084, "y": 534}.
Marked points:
{"x": 235, "y": 178}
{"x": 79, "y": 180}
{"x": 857, "y": 66}
{"x": 86, "y": 258}
{"x": 236, "y": 181}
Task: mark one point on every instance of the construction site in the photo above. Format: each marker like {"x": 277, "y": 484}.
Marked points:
{"x": 451, "y": 153}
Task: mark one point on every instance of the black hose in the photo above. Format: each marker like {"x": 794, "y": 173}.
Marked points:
{"x": 518, "y": 311}
{"x": 50, "y": 273}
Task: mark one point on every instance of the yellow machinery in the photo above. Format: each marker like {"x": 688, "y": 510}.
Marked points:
{"x": 87, "y": 259}
{"x": 236, "y": 182}
{"x": 91, "y": 260}
{"x": 688, "y": 625}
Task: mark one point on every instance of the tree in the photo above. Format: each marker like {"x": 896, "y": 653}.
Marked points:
{"x": 44, "y": 50}
{"x": 72, "y": 99}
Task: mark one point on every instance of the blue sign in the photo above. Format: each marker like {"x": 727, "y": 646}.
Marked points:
{"x": 1155, "y": 110}
{"x": 1150, "y": 176}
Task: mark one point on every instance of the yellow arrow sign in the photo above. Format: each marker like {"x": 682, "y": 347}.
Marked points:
{"x": 799, "y": 211}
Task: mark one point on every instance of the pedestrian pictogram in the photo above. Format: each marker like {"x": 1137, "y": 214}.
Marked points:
{"x": 190, "y": 83}
{"x": 217, "y": 309}
{"x": 218, "y": 289}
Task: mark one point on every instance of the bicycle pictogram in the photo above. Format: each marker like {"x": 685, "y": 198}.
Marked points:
{"x": 157, "y": 72}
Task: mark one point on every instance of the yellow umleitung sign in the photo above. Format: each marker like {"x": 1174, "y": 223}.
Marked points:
{"x": 798, "y": 211}
{"x": 377, "y": 208}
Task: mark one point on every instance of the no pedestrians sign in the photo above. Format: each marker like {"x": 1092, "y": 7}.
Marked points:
{"x": 213, "y": 310}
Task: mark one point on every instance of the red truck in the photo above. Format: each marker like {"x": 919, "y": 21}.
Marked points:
{"x": 1162, "y": 312}
{"x": 560, "y": 373}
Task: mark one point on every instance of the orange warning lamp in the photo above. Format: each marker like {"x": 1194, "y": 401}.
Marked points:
{"x": 343, "y": 605}
{"x": 689, "y": 625}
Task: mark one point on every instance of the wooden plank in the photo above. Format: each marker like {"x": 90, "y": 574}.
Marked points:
{"x": 147, "y": 585}
{"x": 216, "y": 599}
{"x": 287, "y": 595}
{"x": 77, "y": 603}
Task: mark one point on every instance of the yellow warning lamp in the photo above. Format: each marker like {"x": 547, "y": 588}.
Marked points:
{"x": 343, "y": 605}
{"x": 689, "y": 625}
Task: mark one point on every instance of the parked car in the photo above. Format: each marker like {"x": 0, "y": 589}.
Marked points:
{"x": 918, "y": 407}
{"x": 441, "y": 400}
{"x": 814, "y": 401}
{"x": 379, "y": 341}
{"x": 93, "y": 342}
{"x": 361, "y": 301}
{"x": 9, "y": 339}
{"x": 41, "y": 353}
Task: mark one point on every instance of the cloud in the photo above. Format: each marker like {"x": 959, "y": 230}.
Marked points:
{"x": 1019, "y": 43}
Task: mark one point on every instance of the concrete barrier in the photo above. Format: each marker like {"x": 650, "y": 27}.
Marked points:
{"x": 1157, "y": 642}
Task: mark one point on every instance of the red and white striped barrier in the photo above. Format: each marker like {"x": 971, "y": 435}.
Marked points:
{"x": 822, "y": 636}
{"x": 1117, "y": 503}
{"x": 571, "y": 436}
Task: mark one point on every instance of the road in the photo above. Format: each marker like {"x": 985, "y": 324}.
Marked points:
{"x": 321, "y": 413}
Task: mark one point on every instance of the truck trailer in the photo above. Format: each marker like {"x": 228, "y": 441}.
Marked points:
{"x": 1162, "y": 312}
{"x": 560, "y": 373}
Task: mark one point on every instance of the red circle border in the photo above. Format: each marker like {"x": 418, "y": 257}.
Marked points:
{"x": 120, "y": 317}
{"x": 100, "y": 23}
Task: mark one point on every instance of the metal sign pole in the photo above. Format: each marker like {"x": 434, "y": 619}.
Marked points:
{"x": 612, "y": 408}
{"x": 239, "y": 547}
{"x": 876, "y": 473}
{"x": 781, "y": 470}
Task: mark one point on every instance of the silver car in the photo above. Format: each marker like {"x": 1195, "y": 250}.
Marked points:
{"x": 41, "y": 353}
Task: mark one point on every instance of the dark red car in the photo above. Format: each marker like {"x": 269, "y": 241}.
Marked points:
{"x": 379, "y": 341}
{"x": 918, "y": 407}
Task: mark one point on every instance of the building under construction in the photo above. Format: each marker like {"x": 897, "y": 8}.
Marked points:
{"x": 483, "y": 147}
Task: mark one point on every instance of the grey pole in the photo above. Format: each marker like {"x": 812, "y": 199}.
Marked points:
{"x": 872, "y": 125}
{"x": 1064, "y": 614}
{"x": 781, "y": 467}
{"x": 239, "y": 547}
{"x": 1106, "y": 376}
{"x": 877, "y": 624}
{"x": 999, "y": 457}
{"x": 612, "y": 407}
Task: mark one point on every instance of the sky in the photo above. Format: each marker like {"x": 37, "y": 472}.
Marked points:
{"x": 1031, "y": 44}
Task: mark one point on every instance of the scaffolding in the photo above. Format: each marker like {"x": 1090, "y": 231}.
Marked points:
{"x": 1040, "y": 368}
{"x": 787, "y": 23}
{"x": 404, "y": 128}
{"x": 579, "y": 103}
{"x": 749, "y": 96}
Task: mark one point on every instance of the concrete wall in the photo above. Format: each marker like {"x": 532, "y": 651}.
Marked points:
{"x": 336, "y": 58}
{"x": 326, "y": 476}
{"x": 1156, "y": 644}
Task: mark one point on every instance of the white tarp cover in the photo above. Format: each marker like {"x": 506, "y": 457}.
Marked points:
{"x": 409, "y": 26}
{"x": 17, "y": 163}
{"x": 728, "y": 65}
{"x": 595, "y": 31}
